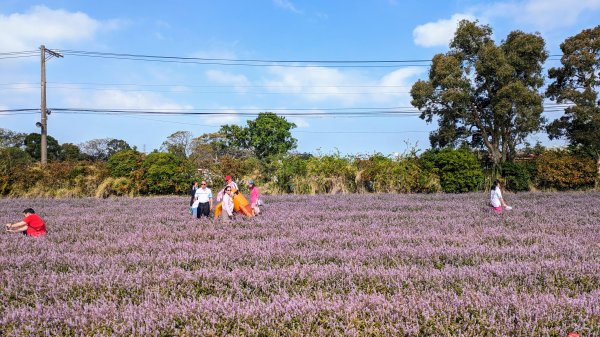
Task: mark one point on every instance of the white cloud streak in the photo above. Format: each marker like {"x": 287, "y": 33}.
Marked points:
{"x": 287, "y": 5}
{"x": 318, "y": 84}
{"x": 42, "y": 25}
{"x": 542, "y": 14}
{"x": 438, "y": 33}
{"x": 117, "y": 99}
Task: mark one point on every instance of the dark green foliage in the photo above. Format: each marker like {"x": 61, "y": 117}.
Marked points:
{"x": 115, "y": 145}
{"x": 577, "y": 81}
{"x": 483, "y": 94}
{"x": 266, "y": 136}
{"x": 165, "y": 173}
{"x": 70, "y": 152}
{"x": 101, "y": 149}
{"x": 289, "y": 169}
{"x": 516, "y": 176}
{"x": 459, "y": 170}
{"x": 378, "y": 173}
{"x": 123, "y": 163}
{"x": 33, "y": 142}
{"x": 12, "y": 159}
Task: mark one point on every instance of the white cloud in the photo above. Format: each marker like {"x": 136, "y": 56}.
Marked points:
{"x": 229, "y": 116}
{"x": 287, "y": 5}
{"x": 300, "y": 122}
{"x": 117, "y": 99}
{"x": 42, "y": 25}
{"x": 438, "y": 33}
{"x": 315, "y": 84}
{"x": 543, "y": 14}
{"x": 240, "y": 82}
{"x": 319, "y": 84}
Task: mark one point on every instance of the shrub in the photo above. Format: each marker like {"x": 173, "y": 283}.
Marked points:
{"x": 123, "y": 163}
{"x": 329, "y": 174}
{"x": 516, "y": 176}
{"x": 458, "y": 170}
{"x": 561, "y": 170}
{"x": 164, "y": 173}
{"x": 289, "y": 172}
{"x": 384, "y": 175}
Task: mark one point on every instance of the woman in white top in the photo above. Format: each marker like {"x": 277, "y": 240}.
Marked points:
{"x": 496, "y": 198}
{"x": 227, "y": 204}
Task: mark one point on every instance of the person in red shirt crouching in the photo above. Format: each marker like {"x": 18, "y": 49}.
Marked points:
{"x": 31, "y": 225}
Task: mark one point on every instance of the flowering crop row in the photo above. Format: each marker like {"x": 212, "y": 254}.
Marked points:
{"x": 351, "y": 265}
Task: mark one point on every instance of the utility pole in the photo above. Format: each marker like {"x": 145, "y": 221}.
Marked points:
{"x": 44, "y": 118}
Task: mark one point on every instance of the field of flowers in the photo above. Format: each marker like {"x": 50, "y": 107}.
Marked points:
{"x": 345, "y": 265}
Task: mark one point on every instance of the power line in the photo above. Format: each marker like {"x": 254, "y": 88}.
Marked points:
{"x": 251, "y": 62}
{"x": 79, "y": 53}
{"x": 229, "y": 112}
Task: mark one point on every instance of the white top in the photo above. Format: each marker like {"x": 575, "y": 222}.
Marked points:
{"x": 203, "y": 195}
{"x": 227, "y": 204}
{"x": 495, "y": 196}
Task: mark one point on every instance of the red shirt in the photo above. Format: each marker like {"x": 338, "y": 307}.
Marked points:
{"x": 35, "y": 225}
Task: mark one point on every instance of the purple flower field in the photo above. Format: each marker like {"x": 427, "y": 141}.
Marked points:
{"x": 345, "y": 265}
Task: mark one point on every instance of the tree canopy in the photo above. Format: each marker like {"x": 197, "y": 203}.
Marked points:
{"x": 265, "y": 136}
{"x": 577, "y": 82}
{"x": 102, "y": 148}
{"x": 179, "y": 144}
{"x": 33, "y": 142}
{"x": 484, "y": 94}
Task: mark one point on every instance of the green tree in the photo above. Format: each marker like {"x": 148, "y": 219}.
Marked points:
{"x": 12, "y": 160}
{"x": 102, "y": 148}
{"x": 179, "y": 144}
{"x": 577, "y": 82}
{"x": 69, "y": 152}
{"x": 123, "y": 163}
{"x": 484, "y": 92}
{"x": 116, "y": 145}
{"x": 165, "y": 173}
{"x": 267, "y": 135}
{"x": 459, "y": 170}
{"x": 10, "y": 138}
{"x": 33, "y": 145}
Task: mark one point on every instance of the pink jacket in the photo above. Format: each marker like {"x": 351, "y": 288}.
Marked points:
{"x": 254, "y": 195}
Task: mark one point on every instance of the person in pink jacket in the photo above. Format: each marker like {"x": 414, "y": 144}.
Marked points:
{"x": 254, "y": 197}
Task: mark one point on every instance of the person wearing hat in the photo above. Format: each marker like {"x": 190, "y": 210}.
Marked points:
{"x": 31, "y": 225}
{"x": 254, "y": 197}
{"x": 229, "y": 183}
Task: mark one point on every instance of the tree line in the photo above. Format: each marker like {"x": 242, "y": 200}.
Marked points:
{"x": 485, "y": 97}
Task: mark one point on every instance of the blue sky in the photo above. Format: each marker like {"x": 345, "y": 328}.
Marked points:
{"x": 288, "y": 30}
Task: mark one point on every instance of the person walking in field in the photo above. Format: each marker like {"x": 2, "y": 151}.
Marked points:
{"x": 254, "y": 197}
{"x": 204, "y": 200}
{"x": 227, "y": 204}
{"x": 496, "y": 198}
{"x": 31, "y": 225}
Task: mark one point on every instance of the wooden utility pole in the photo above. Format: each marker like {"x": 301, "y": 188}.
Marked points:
{"x": 43, "y": 122}
{"x": 44, "y": 118}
